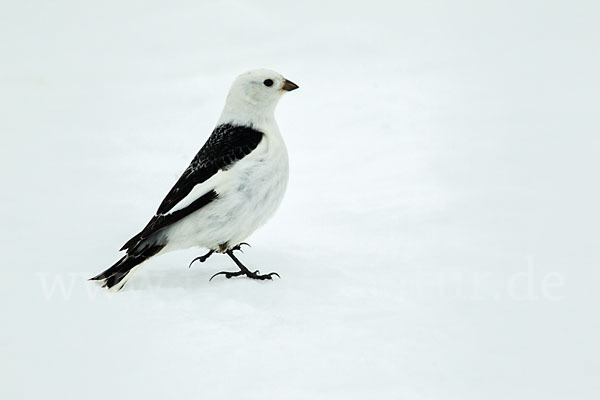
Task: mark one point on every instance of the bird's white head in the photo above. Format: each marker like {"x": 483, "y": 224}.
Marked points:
{"x": 253, "y": 97}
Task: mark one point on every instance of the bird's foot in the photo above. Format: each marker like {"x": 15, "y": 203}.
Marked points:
{"x": 249, "y": 274}
{"x": 238, "y": 247}
{"x": 243, "y": 270}
{"x": 202, "y": 258}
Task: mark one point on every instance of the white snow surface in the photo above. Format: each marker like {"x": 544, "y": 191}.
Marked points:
{"x": 439, "y": 238}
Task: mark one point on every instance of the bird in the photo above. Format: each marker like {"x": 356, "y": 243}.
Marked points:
{"x": 233, "y": 185}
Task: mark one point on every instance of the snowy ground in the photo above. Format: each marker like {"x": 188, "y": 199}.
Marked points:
{"x": 439, "y": 239}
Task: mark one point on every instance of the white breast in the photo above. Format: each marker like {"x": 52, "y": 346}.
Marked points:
{"x": 249, "y": 194}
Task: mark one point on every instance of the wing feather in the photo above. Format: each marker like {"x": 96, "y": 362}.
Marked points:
{"x": 226, "y": 146}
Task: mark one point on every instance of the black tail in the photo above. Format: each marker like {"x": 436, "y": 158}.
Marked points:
{"x": 115, "y": 274}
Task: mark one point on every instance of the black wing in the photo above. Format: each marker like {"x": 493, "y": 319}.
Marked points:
{"x": 226, "y": 145}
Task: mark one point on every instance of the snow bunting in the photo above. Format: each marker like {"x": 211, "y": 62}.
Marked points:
{"x": 232, "y": 186}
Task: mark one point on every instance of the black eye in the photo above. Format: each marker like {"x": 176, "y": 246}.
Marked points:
{"x": 268, "y": 82}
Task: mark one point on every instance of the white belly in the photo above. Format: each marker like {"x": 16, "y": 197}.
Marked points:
{"x": 248, "y": 196}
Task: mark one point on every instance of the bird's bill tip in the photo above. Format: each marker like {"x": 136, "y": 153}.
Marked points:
{"x": 288, "y": 86}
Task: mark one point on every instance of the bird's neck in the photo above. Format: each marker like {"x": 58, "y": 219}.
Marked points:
{"x": 247, "y": 113}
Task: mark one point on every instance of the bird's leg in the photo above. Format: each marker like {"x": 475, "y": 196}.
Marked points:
{"x": 243, "y": 270}
{"x": 202, "y": 258}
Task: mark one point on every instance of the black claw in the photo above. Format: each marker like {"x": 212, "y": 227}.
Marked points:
{"x": 238, "y": 247}
{"x": 202, "y": 258}
{"x": 194, "y": 260}
{"x": 218, "y": 273}
{"x": 268, "y": 276}
{"x": 228, "y": 275}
